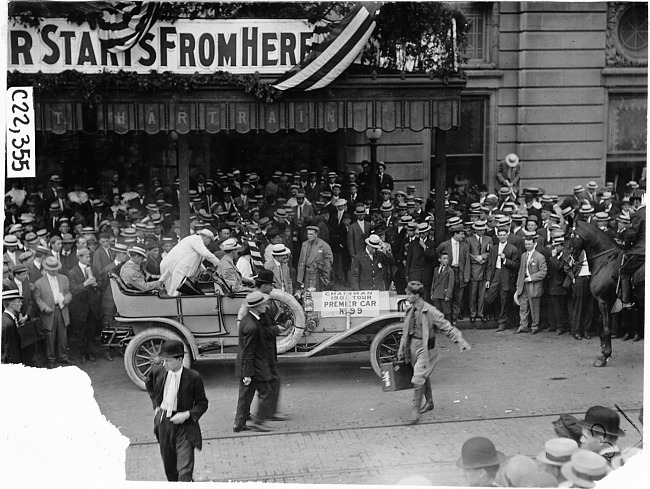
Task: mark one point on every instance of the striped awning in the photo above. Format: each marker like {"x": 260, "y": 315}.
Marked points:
{"x": 388, "y": 104}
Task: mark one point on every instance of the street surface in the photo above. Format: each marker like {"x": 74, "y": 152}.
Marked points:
{"x": 345, "y": 430}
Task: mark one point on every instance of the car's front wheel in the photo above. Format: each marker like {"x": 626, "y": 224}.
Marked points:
{"x": 384, "y": 346}
{"x": 143, "y": 353}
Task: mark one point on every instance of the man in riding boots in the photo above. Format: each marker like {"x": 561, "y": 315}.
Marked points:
{"x": 635, "y": 256}
{"x": 418, "y": 345}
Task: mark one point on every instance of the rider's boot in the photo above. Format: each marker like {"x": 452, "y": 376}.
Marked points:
{"x": 417, "y": 401}
{"x": 626, "y": 292}
{"x": 428, "y": 397}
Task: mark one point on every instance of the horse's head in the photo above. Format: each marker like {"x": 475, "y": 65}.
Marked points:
{"x": 574, "y": 243}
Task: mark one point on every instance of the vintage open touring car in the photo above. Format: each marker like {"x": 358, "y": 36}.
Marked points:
{"x": 204, "y": 317}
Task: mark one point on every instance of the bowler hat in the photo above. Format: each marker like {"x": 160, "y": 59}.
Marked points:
{"x": 172, "y": 349}
{"x": 479, "y": 452}
{"x": 255, "y": 299}
{"x": 19, "y": 269}
{"x": 264, "y": 277}
{"x": 602, "y": 420}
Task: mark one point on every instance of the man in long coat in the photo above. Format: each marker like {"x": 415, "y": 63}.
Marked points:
{"x": 185, "y": 258}
{"x": 315, "y": 263}
{"x": 418, "y": 345}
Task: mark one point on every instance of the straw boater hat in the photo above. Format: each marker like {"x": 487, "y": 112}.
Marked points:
{"x": 601, "y": 216}
{"x": 504, "y": 191}
{"x": 557, "y": 451}
{"x": 512, "y": 160}
{"x": 586, "y": 209}
{"x": 592, "y": 185}
{"x": 424, "y": 227}
{"x": 386, "y": 207}
{"x": 51, "y": 264}
{"x": 11, "y": 295}
{"x": 11, "y": 240}
{"x": 373, "y": 241}
{"x": 479, "y": 225}
{"x": 229, "y": 245}
{"x": 138, "y": 250}
{"x": 207, "y": 233}
{"x": 624, "y": 219}
{"x": 119, "y": 248}
{"x": 585, "y": 468}
{"x": 339, "y": 202}
{"x": 578, "y": 189}
{"x": 360, "y": 210}
{"x": 558, "y": 240}
{"x": 67, "y": 238}
{"x": 280, "y": 250}
{"x": 255, "y": 299}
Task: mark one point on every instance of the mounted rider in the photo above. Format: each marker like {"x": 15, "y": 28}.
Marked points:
{"x": 635, "y": 254}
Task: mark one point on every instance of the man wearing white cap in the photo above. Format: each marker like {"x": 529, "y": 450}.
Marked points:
{"x": 184, "y": 260}
{"x": 227, "y": 269}
{"x": 131, "y": 273}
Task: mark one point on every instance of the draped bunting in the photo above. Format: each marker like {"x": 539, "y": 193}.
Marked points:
{"x": 342, "y": 44}
{"x": 123, "y": 24}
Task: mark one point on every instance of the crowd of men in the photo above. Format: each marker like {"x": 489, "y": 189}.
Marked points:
{"x": 583, "y": 453}
{"x": 319, "y": 230}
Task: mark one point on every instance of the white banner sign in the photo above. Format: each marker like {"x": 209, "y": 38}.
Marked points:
{"x": 359, "y": 303}
{"x": 242, "y": 46}
{"x": 21, "y": 152}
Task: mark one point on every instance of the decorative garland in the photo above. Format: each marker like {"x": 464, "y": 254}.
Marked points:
{"x": 92, "y": 86}
{"x": 409, "y": 37}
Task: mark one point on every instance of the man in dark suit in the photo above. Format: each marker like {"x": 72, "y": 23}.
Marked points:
{"x": 366, "y": 272}
{"x": 501, "y": 273}
{"x": 358, "y": 232}
{"x": 479, "y": 248}
{"x": 85, "y": 308}
{"x": 12, "y": 302}
{"x": 179, "y": 401}
{"x": 635, "y": 255}
{"x": 421, "y": 259}
{"x": 384, "y": 180}
{"x": 252, "y": 367}
{"x": 459, "y": 260}
{"x": 558, "y": 287}
{"x": 103, "y": 255}
{"x": 530, "y": 285}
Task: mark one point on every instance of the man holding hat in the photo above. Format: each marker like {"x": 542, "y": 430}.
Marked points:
{"x": 184, "y": 260}
{"x": 52, "y": 296}
{"x": 131, "y": 271}
{"x": 480, "y": 462}
{"x": 366, "y": 272}
{"x": 12, "y": 302}
{"x": 418, "y": 345}
{"x": 178, "y": 398}
{"x": 227, "y": 269}
{"x": 509, "y": 174}
{"x": 530, "y": 284}
{"x": 501, "y": 275}
{"x": 85, "y": 308}
{"x": 252, "y": 366}
{"x": 315, "y": 263}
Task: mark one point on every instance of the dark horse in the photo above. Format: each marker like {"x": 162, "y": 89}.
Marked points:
{"x": 604, "y": 258}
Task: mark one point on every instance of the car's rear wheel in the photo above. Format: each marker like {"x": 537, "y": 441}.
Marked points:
{"x": 143, "y": 353}
{"x": 384, "y": 346}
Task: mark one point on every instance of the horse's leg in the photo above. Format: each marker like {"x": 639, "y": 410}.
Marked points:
{"x": 604, "y": 333}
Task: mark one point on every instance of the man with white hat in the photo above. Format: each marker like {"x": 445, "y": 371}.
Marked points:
{"x": 366, "y": 272}
{"x": 557, "y": 452}
{"x": 184, "y": 260}
{"x": 421, "y": 258}
{"x": 227, "y": 269}
{"x": 131, "y": 271}
{"x": 52, "y": 296}
{"x": 12, "y": 302}
{"x": 585, "y": 469}
{"x": 509, "y": 173}
{"x": 280, "y": 268}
